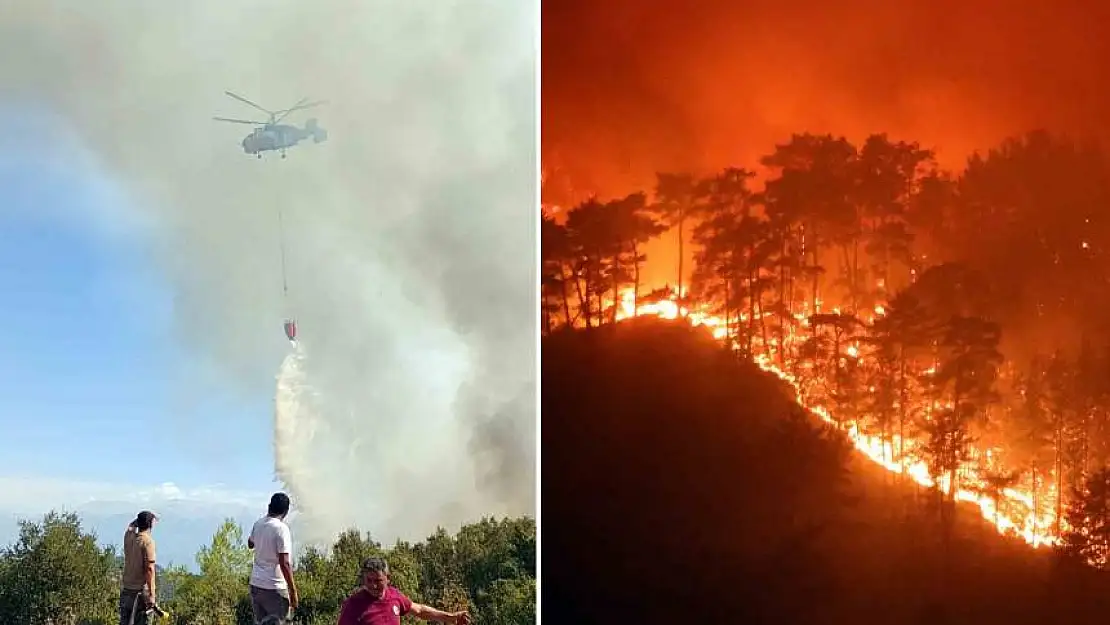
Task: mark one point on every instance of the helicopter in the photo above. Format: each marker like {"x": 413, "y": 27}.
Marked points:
{"x": 274, "y": 136}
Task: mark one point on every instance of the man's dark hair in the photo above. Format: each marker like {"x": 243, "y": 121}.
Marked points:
{"x": 144, "y": 520}
{"x": 279, "y": 505}
{"x": 375, "y": 565}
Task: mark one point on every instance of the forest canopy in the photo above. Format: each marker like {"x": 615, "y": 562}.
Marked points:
{"x": 56, "y": 573}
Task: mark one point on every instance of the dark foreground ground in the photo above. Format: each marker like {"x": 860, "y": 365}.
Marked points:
{"x": 682, "y": 486}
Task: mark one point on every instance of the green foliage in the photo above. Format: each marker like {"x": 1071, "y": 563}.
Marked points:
{"x": 508, "y": 601}
{"x": 493, "y": 550}
{"x": 404, "y": 567}
{"x": 347, "y": 555}
{"x": 217, "y": 594}
{"x": 56, "y": 571}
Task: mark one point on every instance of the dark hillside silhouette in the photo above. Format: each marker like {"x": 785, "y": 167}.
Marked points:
{"x": 682, "y": 484}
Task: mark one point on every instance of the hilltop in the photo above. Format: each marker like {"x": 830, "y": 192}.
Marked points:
{"x": 680, "y": 483}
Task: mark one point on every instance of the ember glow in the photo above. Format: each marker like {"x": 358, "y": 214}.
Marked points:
{"x": 1013, "y": 513}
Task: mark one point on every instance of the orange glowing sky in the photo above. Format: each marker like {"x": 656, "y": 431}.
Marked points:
{"x": 631, "y": 87}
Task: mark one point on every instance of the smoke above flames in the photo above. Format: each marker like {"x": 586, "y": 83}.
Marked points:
{"x": 631, "y": 87}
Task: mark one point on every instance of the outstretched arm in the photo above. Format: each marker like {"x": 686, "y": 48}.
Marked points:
{"x": 428, "y": 613}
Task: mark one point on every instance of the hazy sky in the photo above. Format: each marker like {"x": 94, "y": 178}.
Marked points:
{"x": 107, "y": 408}
{"x": 411, "y": 233}
{"x": 631, "y": 87}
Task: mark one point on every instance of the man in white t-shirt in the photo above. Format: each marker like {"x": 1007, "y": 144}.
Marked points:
{"x": 273, "y": 593}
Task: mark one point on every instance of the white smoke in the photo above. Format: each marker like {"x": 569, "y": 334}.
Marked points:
{"x": 411, "y": 231}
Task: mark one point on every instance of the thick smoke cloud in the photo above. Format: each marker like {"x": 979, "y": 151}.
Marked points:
{"x": 410, "y": 233}
{"x": 634, "y": 86}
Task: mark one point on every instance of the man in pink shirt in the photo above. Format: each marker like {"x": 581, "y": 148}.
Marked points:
{"x": 378, "y": 603}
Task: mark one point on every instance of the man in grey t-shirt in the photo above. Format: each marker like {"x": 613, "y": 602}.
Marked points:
{"x": 273, "y": 593}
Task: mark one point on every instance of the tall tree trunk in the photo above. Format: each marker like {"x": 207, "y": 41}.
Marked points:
{"x": 546, "y": 315}
{"x": 816, "y": 275}
{"x": 857, "y": 289}
{"x": 886, "y": 435}
{"x": 762, "y": 321}
{"x": 836, "y": 373}
{"x": 953, "y": 427}
{"x": 681, "y": 259}
{"x": 566, "y": 294}
{"x": 616, "y": 285}
{"x": 1036, "y": 498}
{"x": 849, "y": 277}
{"x": 1084, "y": 444}
{"x": 635, "y": 279}
{"x": 728, "y": 314}
{"x": 903, "y": 393}
{"x": 784, "y": 305}
{"x": 886, "y": 272}
{"x": 1059, "y": 466}
{"x": 583, "y": 284}
{"x": 796, "y": 292}
{"x": 751, "y": 310}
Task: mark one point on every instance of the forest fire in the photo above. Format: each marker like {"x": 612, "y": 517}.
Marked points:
{"x": 833, "y": 209}
{"x": 668, "y": 309}
{"x": 1020, "y": 522}
{"x": 945, "y": 322}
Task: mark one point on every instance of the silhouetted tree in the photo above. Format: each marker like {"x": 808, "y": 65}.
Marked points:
{"x": 814, "y": 186}
{"x": 556, "y": 253}
{"x": 1088, "y": 520}
{"x": 674, "y": 202}
{"x": 732, "y": 239}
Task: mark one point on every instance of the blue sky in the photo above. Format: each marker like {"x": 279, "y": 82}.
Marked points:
{"x": 99, "y": 390}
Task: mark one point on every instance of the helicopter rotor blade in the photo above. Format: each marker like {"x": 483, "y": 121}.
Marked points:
{"x": 246, "y": 101}
{"x": 280, "y": 115}
{"x": 239, "y": 121}
{"x": 300, "y": 107}
{"x": 311, "y": 104}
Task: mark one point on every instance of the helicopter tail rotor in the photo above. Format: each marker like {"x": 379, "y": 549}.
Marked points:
{"x": 318, "y": 134}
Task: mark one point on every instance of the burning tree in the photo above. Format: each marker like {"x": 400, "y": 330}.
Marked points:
{"x": 967, "y": 366}
{"x": 944, "y": 321}
{"x": 594, "y": 256}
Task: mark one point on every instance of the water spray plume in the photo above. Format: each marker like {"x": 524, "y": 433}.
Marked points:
{"x": 294, "y": 420}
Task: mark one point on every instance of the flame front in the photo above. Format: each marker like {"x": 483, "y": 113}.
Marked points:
{"x": 1018, "y": 516}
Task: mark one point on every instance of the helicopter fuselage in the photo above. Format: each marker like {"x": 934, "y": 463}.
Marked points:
{"x": 272, "y": 137}
{"x": 275, "y": 137}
